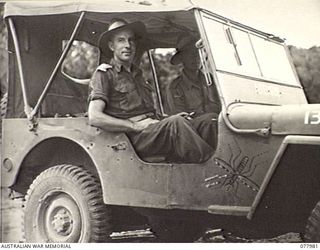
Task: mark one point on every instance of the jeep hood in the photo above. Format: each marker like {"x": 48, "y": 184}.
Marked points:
{"x": 287, "y": 119}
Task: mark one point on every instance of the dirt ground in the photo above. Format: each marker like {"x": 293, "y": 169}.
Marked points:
{"x": 11, "y": 213}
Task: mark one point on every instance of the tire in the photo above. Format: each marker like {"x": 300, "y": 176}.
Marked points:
{"x": 3, "y": 111}
{"x": 64, "y": 204}
{"x": 174, "y": 230}
{"x": 312, "y": 232}
{"x": 3, "y": 105}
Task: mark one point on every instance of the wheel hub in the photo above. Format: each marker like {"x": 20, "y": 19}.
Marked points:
{"x": 62, "y": 222}
{"x": 62, "y": 218}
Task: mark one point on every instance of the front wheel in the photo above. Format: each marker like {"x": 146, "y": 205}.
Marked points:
{"x": 312, "y": 233}
{"x": 64, "y": 204}
{"x": 3, "y": 105}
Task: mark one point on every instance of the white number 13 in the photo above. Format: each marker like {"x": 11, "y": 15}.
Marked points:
{"x": 312, "y": 117}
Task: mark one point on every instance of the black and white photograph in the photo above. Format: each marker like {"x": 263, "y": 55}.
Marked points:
{"x": 160, "y": 121}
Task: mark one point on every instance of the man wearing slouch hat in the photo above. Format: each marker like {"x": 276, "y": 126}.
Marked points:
{"x": 120, "y": 100}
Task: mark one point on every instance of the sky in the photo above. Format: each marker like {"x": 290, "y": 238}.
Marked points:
{"x": 296, "y": 20}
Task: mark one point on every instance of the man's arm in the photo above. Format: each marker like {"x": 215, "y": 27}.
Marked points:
{"x": 99, "y": 119}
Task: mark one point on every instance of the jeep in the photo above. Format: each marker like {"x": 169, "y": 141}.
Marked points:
{"x": 81, "y": 183}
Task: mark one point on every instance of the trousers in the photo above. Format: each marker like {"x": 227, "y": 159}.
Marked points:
{"x": 176, "y": 139}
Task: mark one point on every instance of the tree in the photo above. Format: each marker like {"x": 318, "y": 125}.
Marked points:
{"x": 3, "y": 53}
{"x": 307, "y": 63}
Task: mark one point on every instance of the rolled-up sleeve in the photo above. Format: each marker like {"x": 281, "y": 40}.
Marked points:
{"x": 99, "y": 87}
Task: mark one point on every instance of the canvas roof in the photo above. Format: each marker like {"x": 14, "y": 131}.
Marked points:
{"x": 97, "y": 7}
{"x": 31, "y": 8}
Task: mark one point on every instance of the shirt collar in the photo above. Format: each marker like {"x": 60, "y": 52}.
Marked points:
{"x": 116, "y": 65}
{"x": 119, "y": 67}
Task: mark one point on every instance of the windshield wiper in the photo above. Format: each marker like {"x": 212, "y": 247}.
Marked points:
{"x": 233, "y": 42}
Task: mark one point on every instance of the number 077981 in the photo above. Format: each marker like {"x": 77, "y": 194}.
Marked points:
{"x": 309, "y": 245}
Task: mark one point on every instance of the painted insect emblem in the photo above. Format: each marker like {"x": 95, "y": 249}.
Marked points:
{"x": 238, "y": 170}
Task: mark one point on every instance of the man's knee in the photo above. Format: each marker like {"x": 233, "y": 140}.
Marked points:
{"x": 176, "y": 125}
{"x": 176, "y": 119}
{"x": 179, "y": 121}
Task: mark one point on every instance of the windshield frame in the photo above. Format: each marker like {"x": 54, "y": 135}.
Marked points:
{"x": 289, "y": 89}
{"x": 269, "y": 38}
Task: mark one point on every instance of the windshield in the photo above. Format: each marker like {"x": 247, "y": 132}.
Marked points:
{"x": 242, "y": 52}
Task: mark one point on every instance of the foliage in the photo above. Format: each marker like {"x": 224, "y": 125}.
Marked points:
{"x": 81, "y": 60}
{"x": 307, "y": 63}
{"x": 166, "y": 72}
{"x": 3, "y": 53}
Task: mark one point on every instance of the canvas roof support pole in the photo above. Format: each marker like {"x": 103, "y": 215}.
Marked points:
{"x": 27, "y": 108}
{"x": 58, "y": 65}
{"x": 156, "y": 82}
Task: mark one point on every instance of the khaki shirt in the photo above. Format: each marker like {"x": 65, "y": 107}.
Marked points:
{"x": 126, "y": 94}
{"x": 185, "y": 95}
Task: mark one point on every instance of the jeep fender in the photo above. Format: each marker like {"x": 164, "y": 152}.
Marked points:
{"x": 292, "y": 180}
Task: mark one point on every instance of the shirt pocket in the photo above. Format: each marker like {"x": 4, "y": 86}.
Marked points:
{"x": 129, "y": 97}
{"x": 194, "y": 99}
{"x": 178, "y": 99}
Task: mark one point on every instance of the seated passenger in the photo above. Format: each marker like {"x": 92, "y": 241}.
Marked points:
{"x": 190, "y": 93}
{"x": 120, "y": 101}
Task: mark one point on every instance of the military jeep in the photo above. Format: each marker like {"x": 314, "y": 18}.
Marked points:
{"x": 81, "y": 183}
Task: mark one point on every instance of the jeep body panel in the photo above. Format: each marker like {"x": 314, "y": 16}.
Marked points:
{"x": 311, "y": 171}
{"x": 255, "y": 90}
{"x": 219, "y": 182}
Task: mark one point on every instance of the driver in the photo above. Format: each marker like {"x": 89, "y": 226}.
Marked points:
{"x": 119, "y": 101}
{"x": 190, "y": 93}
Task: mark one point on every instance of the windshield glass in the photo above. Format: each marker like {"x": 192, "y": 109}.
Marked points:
{"x": 242, "y": 52}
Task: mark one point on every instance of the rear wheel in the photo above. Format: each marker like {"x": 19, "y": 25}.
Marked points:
{"x": 64, "y": 204}
{"x": 312, "y": 233}
{"x": 175, "y": 230}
